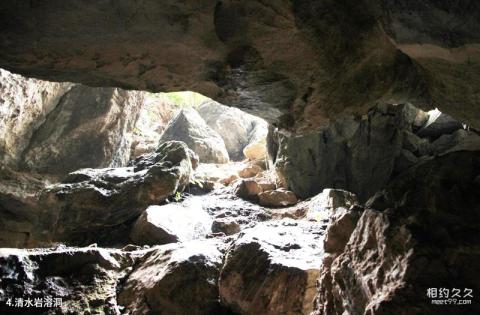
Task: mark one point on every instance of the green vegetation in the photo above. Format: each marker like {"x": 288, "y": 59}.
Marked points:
{"x": 182, "y": 99}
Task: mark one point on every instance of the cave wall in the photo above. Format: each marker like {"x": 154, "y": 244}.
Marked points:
{"x": 24, "y": 106}
{"x": 362, "y": 154}
{"x": 55, "y": 128}
{"x": 297, "y": 64}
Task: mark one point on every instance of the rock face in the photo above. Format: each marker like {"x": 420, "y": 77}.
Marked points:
{"x": 237, "y": 128}
{"x": 413, "y": 237}
{"x": 327, "y": 200}
{"x": 85, "y": 280}
{"x": 18, "y": 207}
{"x": 153, "y": 117}
{"x": 248, "y": 189}
{"x": 94, "y": 205}
{"x": 272, "y": 269}
{"x": 359, "y": 155}
{"x": 96, "y": 133}
{"x": 175, "y": 280}
{"x": 24, "y": 106}
{"x": 277, "y": 198}
{"x": 172, "y": 223}
{"x": 190, "y": 128}
{"x": 172, "y": 279}
{"x": 256, "y": 56}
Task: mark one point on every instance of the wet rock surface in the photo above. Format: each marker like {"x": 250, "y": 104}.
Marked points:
{"x": 172, "y": 223}
{"x": 272, "y": 268}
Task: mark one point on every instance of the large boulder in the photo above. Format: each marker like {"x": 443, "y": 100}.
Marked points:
{"x": 24, "y": 106}
{"x": 358, "y": 154}
{"x": 96, "y": 205}
{"x": 175, "y": 279}
{"x": 61, "y": 281}
{"x": 415, "y": 239}
{"x": 233, "y": 125}
{"x": 257, "y": 144}
{"x": 89, "y": 127}
{"x": 277, "y": 198}
{"x": 153, "y": 117}
{"x": 171, "y": 279}
{"x": 272, "y": 268}
{"x": 439, "y": 124}
{"x": 190, "y": 128}
{"x": 174, "y": 222}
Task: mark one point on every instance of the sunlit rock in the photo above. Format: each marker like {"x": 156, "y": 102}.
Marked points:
{"x": 248, "y": 189}
{"x": 237, "y": 129}
{"x": 190, "y": 128}
{"x": 250, "y": 170}
{"x": 272, "y": 268}
{"x": 175, "y": 279}
{"x": 24, "y": 106}
{"x": 277, "y": 198}
{"x": 171, "y": 223}
{"x": 153, "y": 117}
{"x": 95, "y": 205}
{"x": 321, "y": 206}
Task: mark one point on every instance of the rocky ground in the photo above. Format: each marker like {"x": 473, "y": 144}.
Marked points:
{"x": 362, "y": 216}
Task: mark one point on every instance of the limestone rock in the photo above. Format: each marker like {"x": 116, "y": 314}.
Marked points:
{"x": 94, "y": 205}
{"x": 249, "y": 170}
{"x": 439, "y": 124}
{"x": 19, "y": 213}
{"x": 321, "y": 206}
{"x": 277, "y": 198}
{"x": 175, "y": 279}
{"x": 24, "y": 106}
{"x": 171, "y": 223}
{"x": 223, "y": 173}
{"x": 85, "y": 279}
{"x": 248, "y": 189}
{"x": 233, "y": 125}
{"x": 256, "y": 150}
{"x": 226, "y": 226}
{"x": 459, "y": 140}
{"x": 190, "y": 128}
{"x": 90, "y": 127}
{"x": 153, "y": 117}
{"x": 342, "y": 222}
{"x": 426, "y": 52}
{"x": 360, "y": 155}
{"x": 413, "y": 237}
{"x": 272, "y": 268}
{"x": 257, "y": 144}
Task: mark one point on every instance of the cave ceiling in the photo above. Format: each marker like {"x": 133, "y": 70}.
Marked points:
{"x": 295, "y": 63}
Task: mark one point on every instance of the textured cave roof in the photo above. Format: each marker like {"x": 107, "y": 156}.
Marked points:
{"x": 295, "y": 63}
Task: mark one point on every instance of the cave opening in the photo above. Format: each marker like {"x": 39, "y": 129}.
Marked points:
{"x": 231, "y": 157}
